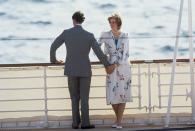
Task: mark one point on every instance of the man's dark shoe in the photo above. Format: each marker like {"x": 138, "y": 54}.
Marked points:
{"x": 88, "y": 127}
{"x": 75, "y": 127}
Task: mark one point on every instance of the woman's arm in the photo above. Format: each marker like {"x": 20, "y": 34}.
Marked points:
{"x": 101, "y": 41}
{"x": 124, "y": 51}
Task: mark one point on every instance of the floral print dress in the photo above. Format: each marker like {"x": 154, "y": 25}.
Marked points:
{"x": 118, "y": 84}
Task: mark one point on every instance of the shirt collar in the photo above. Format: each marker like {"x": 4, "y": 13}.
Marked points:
{"x": 78, "y": 24}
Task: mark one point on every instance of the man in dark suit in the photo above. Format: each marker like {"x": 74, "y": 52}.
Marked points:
{"x": 78, "y": 68}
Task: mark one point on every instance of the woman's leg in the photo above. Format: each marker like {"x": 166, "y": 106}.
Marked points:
{"x": 115, "y": 108}
{"x": 121, "y": 108}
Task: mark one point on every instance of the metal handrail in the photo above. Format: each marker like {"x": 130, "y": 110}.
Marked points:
{"x": 95, "y": 63}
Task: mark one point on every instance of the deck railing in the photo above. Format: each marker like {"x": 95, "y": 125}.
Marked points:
{"x": 21, "y": 84}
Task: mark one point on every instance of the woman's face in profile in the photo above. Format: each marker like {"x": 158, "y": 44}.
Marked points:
{"x": 113, "y": 24}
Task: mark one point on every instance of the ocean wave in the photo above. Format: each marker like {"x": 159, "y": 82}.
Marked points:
{"x": 107, "y": 6}
{"x": 168, "y": 8}
{"x": 3, "y": 1}
{"x": 2, "y": 13}
{"x": 184, "y": 33}
{"x": 41, "y": 1}
{"x": 19, "y": 45}
{"x": 159, "y": 27}
{"x": 166, "y": 48}
{"x": 40, "y": 22}
{"x": 7, "y": 16}
{"x": 136, "y": 53}
{"x": 7, "y": 38}
{"x": 169, "y": 48}
{"x": 143, "y": 34}
{"x": 183, "y": 49}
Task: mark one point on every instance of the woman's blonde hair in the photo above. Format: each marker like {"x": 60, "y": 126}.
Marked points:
{"x": 117, "y": 18}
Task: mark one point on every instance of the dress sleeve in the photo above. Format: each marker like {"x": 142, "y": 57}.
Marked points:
{"x": 101, "y": 41}
{"x": 124, "y": 50}
{"x": 97, "y": 50}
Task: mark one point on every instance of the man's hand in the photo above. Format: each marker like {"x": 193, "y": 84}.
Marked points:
{"x": 110, "y": 68}
{"x": 59, "y": 61}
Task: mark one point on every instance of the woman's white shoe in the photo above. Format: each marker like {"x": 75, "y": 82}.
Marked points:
{"x": 114, "y": 126}
{"x": 119, "y": 127}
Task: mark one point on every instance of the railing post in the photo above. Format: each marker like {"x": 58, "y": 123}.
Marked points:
{"x": 159, "y": 86}
{"x": 46, "y": 124}
{"x": 149, "y": 94}
{"x": 191, "y": 49}
{"x": 139, "y": 86}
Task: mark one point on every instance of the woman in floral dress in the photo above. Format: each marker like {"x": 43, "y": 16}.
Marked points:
{"x": 116, "y": 47}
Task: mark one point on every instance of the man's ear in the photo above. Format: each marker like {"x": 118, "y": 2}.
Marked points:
{"x": 74, "y": 22}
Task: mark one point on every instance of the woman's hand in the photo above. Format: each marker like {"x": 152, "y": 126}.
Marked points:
{"x": 110, "y": 68}
{"x": 116, "y": 65}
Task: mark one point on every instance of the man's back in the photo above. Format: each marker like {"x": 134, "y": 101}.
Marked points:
{"x": 78, "y": 44}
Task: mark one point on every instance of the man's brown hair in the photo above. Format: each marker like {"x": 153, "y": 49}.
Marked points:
{"x": 78, "y": 16}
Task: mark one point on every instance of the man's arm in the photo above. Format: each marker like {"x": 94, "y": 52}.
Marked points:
{"x": 103, "y": 58}
{"x": 55, "y": 45}
{"x": 96, "y": 48}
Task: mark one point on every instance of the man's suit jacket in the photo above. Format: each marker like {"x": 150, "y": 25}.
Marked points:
{"x": 78, "y": 44}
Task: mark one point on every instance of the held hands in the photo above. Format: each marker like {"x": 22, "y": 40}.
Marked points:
{"x": 111, "y": 68}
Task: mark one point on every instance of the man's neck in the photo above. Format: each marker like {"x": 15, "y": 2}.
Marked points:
{"x": 77, "y": 24}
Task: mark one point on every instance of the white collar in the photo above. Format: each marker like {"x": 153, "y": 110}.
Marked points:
{"x": 78, "y": 24}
